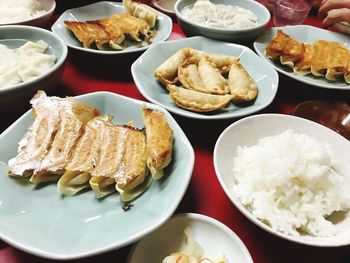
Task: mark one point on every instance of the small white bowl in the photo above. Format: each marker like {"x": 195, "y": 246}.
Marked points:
{"x": 247, "y": 132}
{"x": 214, "y": 237}
{"x": 41, "y": 20}
{"x": 13, "y": 36}
{"x": 231, "y": 35}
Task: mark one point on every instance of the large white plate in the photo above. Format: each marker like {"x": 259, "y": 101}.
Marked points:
{"x": 213, "y": 236}
{"x": 306, "y": 34}
{"x": 40, "y": 221}
{"x": 263, "y": 73}
{"x": 101, "y": 10}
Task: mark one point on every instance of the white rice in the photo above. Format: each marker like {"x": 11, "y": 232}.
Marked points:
{"x": 290, "y": 182}
{"x": 13, "y": 11}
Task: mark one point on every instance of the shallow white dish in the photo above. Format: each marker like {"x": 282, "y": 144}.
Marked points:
{"x": 264, "y": 75}
{"x": 214, "y": 237}
{"x": 224, "y": 34}
{"x": 40, "y": 221}
{"x": 247, "y": 132}
{"x": 307, "y": 34}
{"x": 41, "y": 20}
{"x": 101, "y": 10}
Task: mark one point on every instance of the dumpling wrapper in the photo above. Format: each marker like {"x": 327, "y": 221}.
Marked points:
{"x": 84, "y": 157}
{"x": 189, "y": 76}
{"x": 241, "y": 84}
{"x": 141, "y": 11}
{"x": 159, "y": 141}
{"x": 198, "y": 101}
{"x": 214, "y": 82}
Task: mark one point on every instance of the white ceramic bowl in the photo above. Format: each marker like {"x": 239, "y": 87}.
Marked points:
{"x": 232, "y": 35}
{"x": 247, "y": 132}
{"x": 214, "y": 237}
{"x": 43, "y": 19}
{"x": 14, "y": 36}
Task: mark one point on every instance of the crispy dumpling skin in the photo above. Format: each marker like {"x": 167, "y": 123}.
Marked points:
{"x": 189, "y": 76}
{"x": 84, "y": 157}
{"x": 198, "y": 101}
{"x": 45, "y": 146}
{"x": 242, "y": 86}
{"x": 141, "y": 11}
{"x": 214, "y": 82}
{"x": 159, "y": 140}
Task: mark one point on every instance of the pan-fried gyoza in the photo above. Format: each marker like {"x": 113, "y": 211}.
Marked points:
{"x": 73, "y": 143}
{"x": 329, "y": 59}
{"x": 210, "y": 81}
{"x": 109, "y": 33}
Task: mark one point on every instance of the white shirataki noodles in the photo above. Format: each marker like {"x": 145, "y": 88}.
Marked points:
{"x": 23, "y": 64}
{"x": 290, "y": 182}
{"x": 221, "y": 16}
{"x": 13, "y": 11}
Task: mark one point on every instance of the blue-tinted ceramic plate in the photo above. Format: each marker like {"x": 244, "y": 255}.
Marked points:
{"x": 40, "y": 221}
{"x": 264, "y": 75}
{"x": 102, "y": 10}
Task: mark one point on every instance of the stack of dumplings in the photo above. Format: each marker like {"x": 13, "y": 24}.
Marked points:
{"x": 72, "y": 143}
{"x": 209, "y": 81}
{"x": 329, "y": 59}
{"x": 110, "y": 32}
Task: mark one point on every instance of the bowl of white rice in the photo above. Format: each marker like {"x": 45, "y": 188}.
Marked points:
{"x": 288, "y": 175}
{"x": 228, "y": 20}
{"x": 26, "y": 12}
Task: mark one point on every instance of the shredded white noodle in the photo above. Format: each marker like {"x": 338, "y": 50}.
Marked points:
{"x": 204, "y": 12}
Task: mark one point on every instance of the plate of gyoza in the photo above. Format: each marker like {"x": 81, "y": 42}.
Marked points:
{"x": 308, "y": 54}
{"x": 202, "y": 78}
{"x": 84, "y": 175}
{"x": 110, "y": 28}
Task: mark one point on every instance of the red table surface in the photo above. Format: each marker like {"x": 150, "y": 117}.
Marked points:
{"x": 204, "y": 194}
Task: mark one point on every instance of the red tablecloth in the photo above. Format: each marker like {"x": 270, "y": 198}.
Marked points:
{"x": 204, "y": 195}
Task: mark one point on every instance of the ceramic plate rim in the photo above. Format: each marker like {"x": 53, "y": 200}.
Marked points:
{"x": 195, "y": 115}
{"x": 309, "y": 81}
{"x": 207, "y": 219}
{"x": 117, "y": 245}
{"x": 161, "y": 16}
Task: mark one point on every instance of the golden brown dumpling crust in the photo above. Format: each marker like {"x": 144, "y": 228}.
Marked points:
{"x": 159, "y": 139}
{"x": 198, "y": 101}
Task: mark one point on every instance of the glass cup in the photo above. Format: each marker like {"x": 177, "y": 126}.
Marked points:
{"x": 290, "y": 12}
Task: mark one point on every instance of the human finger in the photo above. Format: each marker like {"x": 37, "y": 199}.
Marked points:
{"x": 337, "y": 15}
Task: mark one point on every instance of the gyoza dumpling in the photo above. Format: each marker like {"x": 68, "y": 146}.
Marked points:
{"x": 213, "y": 81}
{"x": 167, "y": 72}
{"x": 197, "y": 101}
{"x": 44, "y": 150}
{"x": 189, "y": 76}
{"x": 84, "y": 157}
{"x": 141, "y": 11}
{"x": 159, "y": 140}
{"x": 241, "y": 84}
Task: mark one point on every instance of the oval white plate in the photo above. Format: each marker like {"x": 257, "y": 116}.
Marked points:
{"x": 40, "y": 221}
{"x": 306, "y": 34}
{"x": 247, "y": 132}
{"x": 101, "y": 10}
{"x": 264, "y": 75}
{"x": 214, "y": 237}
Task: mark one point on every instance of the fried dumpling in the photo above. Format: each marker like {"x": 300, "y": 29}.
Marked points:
{"x": 211, "y": 77}
{"x": 141, "y": 11}
{"x": 111, "y": 155}
{"x": 84, "y": 157}
{"x": 133, "y": 169}
{"x": 115, "y": 33}
{"x": 198, "y": 101}
{"x": 43, "y": 149}
{"x": 89, "y": 33}
{"x": 242, "y": 86}
{"x": 189, "y": 76}
{"x": 167, "y": 72}
{"x": 159, "y": 140}
{"x": 303, "y": 66}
